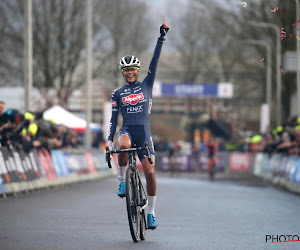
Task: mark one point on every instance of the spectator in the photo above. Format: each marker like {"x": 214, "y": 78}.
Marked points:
{"x": 212, "y": 148}
{"x": 26, "y": 131}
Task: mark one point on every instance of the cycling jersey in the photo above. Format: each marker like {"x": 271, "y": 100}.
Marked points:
{"x": 135, "y": 100}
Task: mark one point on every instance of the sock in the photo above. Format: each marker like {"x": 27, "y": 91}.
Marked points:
{"x": 151, "y": 204}
{"x": 122, "y": 173}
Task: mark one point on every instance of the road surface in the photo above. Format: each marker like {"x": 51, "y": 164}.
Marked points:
{"x": 191, "y": 213}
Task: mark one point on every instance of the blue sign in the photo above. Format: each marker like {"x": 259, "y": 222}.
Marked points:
{"x": 189, "y": 89}
{"x": 2, "y": 189}
{"x": 59, "y": 163}
{"x": 296, "y": 175}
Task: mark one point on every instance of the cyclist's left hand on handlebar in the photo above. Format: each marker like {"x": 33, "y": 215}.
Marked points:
{"x": 164, "y": 28}
{"x": 110, "y": 147}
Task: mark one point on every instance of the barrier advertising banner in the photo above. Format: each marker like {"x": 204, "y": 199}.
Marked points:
{"x": 56, "y": 164}
{"x": 203, "y": 161}
{"x": 290, "y": 165}
{"x": 192, "y": 163}
{"x": 257, "y": 164}
{"x": 28, "y": 166}
{"x": 38, "y": 160}
{"x": 240, "y": 161}
{"x": 59, "y": 163}
{"x": 221, "y": 161}
{"x": 164, "y": 163}
{"x": 71, "y": 164}
{"x": 48, "y": 167}
{"x": 3, "y": 170}
{"x": 23, "y": 171}
{"x": 2, "y": 189}
{"x": 19, "y": 165}
{"x": 90, "y": 162}
{"x": 99, "y": 160}
{"x": 296, "y": 172}
{"x": 10, "y": 165}
{"x": 34, "y": 164}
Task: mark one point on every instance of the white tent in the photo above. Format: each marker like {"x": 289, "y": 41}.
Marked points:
{"x": 63, "y": 117}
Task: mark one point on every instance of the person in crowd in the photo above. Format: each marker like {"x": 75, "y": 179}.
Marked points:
{"x": 98, "y": 139}
{"x": 269, "y": 143}
{"x": 242, "y": 145}
{"x": 28, "y": 131}
{"x": 232, "y": 145}
{"x": 212, "y": 148}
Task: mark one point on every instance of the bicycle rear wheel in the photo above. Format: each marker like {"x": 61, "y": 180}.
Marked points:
{"x": 132, "y": 201}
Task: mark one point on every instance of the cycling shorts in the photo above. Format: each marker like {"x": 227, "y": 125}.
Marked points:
{"x": 139, "y": 134}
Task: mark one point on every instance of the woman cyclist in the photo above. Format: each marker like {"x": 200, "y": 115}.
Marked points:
{"x": 134, "y": 101}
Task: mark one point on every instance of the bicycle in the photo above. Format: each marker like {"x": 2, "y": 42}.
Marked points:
{"x": 136, "y": 197}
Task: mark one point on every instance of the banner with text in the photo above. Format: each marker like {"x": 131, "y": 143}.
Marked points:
{"x": 217, "y": 90}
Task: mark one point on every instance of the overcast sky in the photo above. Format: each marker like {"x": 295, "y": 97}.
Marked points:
{"x": 161, "y": 9}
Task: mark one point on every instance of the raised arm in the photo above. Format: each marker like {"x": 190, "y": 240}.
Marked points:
{"x": 154, "y": 61}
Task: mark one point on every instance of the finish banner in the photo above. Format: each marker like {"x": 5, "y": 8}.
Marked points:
{"x": 216, "y": 90}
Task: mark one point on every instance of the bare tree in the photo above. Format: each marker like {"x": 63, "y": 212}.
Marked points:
{"x": 221, "y": 28}
{"x": 58, "y": 43}
{"x": 125, "y": 32}
{"x": 234, "y": 20}
{"x": 11, "y": 42}
{"x": 59, "y": 39}
{"x": 191, "y": 42}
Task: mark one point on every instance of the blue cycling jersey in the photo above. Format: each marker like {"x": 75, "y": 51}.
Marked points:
{"x": 135, "y": 100}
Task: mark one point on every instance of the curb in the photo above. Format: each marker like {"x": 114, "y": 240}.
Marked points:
{"x": 17, "y": 188}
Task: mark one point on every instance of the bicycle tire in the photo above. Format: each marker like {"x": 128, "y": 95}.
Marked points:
{"x": 132, "y": 201}
{"x": 142, "y": 216}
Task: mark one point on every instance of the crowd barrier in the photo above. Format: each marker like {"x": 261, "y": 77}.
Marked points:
{"x": 189, "y": 162}
{"x": 20, "y": 171}
{"x": 279, "y": 169}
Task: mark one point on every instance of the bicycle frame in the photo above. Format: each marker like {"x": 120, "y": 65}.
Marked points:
{"x": 131, "y": 163}
{"x": 142, "y": 200}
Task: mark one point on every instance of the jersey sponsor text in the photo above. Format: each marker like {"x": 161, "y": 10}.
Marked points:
{"x": 133, "y": 98}
{"x": 136, "y": 109}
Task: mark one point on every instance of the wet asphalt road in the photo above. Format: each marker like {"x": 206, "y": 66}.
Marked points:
{"x": 191, "y": 214}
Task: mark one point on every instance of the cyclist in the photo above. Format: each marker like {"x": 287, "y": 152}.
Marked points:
{"x": 134, "y": 100}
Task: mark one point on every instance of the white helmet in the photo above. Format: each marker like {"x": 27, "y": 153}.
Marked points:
{"x": 129, "y": 61}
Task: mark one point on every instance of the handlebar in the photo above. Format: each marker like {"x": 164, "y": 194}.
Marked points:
{"x": 111, "y": 152}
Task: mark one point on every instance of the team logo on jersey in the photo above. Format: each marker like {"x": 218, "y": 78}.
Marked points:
{"x": 113, "y": 103}
{"x": 133, "y": 98}
{"x": 135, "y": 109}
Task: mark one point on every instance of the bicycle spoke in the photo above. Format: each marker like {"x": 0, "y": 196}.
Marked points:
{"x": 132, "y": 205}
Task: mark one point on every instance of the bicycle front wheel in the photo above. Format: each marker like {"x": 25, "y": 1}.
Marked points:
{"x": 132, "y": 203}
{"x": 142, "y": 212}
